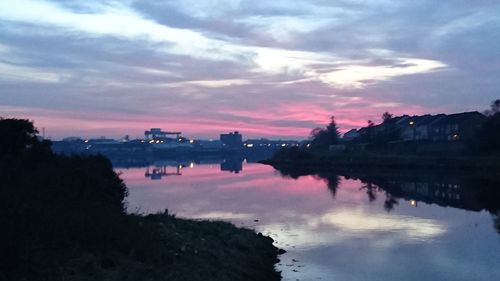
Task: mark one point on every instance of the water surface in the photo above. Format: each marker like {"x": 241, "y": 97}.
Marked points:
{"x": 334, "y": 228}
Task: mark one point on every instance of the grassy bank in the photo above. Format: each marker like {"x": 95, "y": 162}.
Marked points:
{"x": 163, "y": 247}
{"x": 64, "y": 218}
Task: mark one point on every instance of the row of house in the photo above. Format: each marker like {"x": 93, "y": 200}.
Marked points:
{"x": 440, "y": 127}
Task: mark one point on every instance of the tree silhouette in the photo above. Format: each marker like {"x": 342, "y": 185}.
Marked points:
{"x": 494, "y": 108}
{"x": 333, "y": 182}
{"x": 57, "y": 205}
{"x": 386, "y": 117}
{"x": 371, "y": 191}
{"x": 488, "y": 135}
{"x": 324, "y": 137}
{"x": 390, "y": 201}
{"x": 19, "y": 136}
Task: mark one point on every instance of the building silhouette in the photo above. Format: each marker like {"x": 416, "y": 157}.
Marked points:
{"x": 233, "y": 139}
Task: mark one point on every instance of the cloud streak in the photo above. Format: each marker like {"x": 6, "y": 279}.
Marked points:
{"x": 120, "y": 21}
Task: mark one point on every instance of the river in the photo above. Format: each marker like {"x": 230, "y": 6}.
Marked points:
{"x": 337, "y": 227}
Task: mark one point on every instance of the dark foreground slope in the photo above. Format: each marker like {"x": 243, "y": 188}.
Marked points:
{"x": 63, "y": 218}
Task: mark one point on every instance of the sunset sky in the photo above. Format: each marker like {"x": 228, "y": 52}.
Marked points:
{"x": 274, "y": 69}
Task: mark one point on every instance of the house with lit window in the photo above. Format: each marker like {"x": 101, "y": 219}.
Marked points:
{"x": 456, "y": 127}
{"x": 419, "y": 127}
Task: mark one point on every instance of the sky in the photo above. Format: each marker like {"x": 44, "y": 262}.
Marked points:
{"x": 274, "y": 69}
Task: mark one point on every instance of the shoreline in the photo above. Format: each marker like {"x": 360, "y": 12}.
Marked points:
{"x": 475, "y": 165}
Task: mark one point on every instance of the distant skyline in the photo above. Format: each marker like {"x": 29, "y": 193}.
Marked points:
{"x": 273, "y": 69}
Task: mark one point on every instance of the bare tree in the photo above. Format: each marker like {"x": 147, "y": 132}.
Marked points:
{"x": 386, "y": 116}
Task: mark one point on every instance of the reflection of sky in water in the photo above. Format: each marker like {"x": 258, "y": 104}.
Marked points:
{"x": 341, "y": 238}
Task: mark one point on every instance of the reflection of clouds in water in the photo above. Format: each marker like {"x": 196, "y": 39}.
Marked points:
{"x": 220, "y": 215}
{"x": 357, "y": 221}
{"x": 336, "y": 226}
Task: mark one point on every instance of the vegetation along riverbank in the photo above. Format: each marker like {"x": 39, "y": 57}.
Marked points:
{"x": 64, "y": 218}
